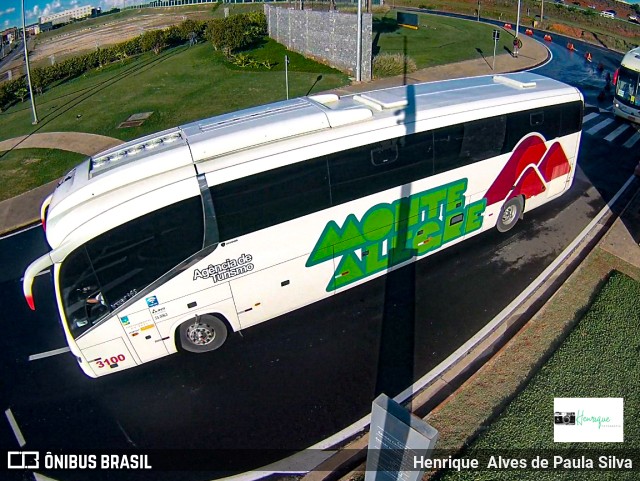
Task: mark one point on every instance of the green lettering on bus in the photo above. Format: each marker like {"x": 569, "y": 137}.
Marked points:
{"x": 390, "y": 234}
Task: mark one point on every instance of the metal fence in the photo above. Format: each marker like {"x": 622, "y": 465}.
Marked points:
{"x": 329, "y": 37}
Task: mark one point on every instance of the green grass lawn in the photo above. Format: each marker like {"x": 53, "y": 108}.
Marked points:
{"x": 179, "y": 85}
{"x": 599, "y": 358}
{"x": 438, "y": 40}
{"x": 25, "y": 169}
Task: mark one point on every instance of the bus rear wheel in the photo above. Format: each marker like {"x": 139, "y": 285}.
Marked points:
{"x": 510, "y": 214}
{"x": 203, "y": 333}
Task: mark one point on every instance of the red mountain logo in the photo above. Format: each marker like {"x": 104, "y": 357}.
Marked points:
{"x": 528, "y": 170}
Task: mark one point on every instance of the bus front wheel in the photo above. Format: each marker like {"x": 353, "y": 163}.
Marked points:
{"x": 203, "y": 333}
{"x": 510, "y": 214}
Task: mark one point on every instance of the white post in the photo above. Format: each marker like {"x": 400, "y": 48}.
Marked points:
{"x": 359, "y": 44}
{"x": 26, "y": 61}
{"x": 286, "y": 74}
{"x": 541, "y": 13}
{"x": 518, "y": 21}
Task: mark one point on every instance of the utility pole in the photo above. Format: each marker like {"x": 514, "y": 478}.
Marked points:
{"x": 359, "y": 44}
{"x": 26, "y": 61}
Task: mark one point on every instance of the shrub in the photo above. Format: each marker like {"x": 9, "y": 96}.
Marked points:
{"x": 153, "y": 40}
{"x": 237, "y": 32}
{"x": 387, "y": 64}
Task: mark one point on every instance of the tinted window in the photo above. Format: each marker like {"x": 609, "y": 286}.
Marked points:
{"x": 268, "y": 198}
{"x": 483, "y": 139}
{"x": 113, "y": 267}
{"x": 464, "y": 144}
{"x": 552, "y": 122}
{"x": 376, "y": 167}
{"x": 571, "y": 118}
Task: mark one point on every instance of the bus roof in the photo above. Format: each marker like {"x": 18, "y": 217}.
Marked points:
{"x": 632, "y": 59}
{"x": 126, "y": 171}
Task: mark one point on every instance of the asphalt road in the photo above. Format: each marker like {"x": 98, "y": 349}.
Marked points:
{"x": 285, "y": 385}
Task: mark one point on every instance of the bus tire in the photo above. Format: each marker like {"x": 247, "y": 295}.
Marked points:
{"x": 509, "y": 214}
{"x": 203, "y": 333}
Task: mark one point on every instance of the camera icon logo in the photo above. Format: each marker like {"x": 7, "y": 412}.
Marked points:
{"x": 23, "y": 459}
{"x": 564, "y": 418}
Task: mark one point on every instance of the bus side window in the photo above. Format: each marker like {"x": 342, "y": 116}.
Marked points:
{"x": 268, "y": 198}
{"x": 377, "y": 167}
{"x": 571, "y": 118}
{"x": 483, "y": 139}
{"x": 447, "y": 144}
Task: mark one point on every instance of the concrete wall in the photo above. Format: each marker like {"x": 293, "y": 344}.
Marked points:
{"x": 329, "y": 37}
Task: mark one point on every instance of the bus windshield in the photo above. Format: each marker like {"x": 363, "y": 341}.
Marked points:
{"x": 107, "y": 271}
{"x": 81, "y": 293}
{"x": 628, "y": 87}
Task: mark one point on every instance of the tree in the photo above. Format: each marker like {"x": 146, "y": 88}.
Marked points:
{"x": 155, "y": 40}
{"x": 22, "y": 92}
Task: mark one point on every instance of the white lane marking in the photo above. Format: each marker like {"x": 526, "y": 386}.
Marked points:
{"x": 54, "y": 352}
{"x": 295, "y": 464}
{"x": 590, "y": 116}
{"x": 361, "y": 424}
{"x": 15, "y": 428}
{"x": 632, "y": 141}
{"x": 611, "y": 137}
{"x": 599, "y": 127}
{"x": 39, "y": 224}
{"x": 42, "y": 477}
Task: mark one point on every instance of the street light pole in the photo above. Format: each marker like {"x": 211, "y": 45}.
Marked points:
{"x": 26, "y": 61}
{"x": 541, "y": 13}
{"x": 478, "y": 10}
{"x": 518, "y": 21}
{"x": 359, "y": 44}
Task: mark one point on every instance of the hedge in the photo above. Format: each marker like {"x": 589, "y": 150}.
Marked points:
{"x": 154, "y": 40}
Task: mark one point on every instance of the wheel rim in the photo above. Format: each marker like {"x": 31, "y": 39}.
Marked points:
{"x": 200, "y": 334}
{"x": 509, "y": 214}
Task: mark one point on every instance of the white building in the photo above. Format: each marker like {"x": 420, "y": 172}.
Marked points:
{"x": 68, "y": 15}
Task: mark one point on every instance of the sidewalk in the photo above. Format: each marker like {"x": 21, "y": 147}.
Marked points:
{"x": 24, "y": 209}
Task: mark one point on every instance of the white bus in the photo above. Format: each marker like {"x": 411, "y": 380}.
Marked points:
{"x": 626, "y": 81}
{"x": 169, "y": 242}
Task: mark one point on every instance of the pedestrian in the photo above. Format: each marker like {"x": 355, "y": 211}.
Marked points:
{"x": 516, "y": 43}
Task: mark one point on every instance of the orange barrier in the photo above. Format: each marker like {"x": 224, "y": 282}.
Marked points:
{"x": 587, "y": 56}
{"x": 529, "y": 32}
{"x": 508, "y": 26}
{"x": 570, "y": 46}
{"x": 548, "y": 38}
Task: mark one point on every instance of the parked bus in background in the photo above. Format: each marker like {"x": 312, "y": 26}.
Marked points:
{"x": 626, "y": 81}
{"x": 171, "y": 241}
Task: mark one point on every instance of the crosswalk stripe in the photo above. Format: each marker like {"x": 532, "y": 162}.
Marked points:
{"x": 599, "y": 127}
{"x": 590, "y": 116}
{"x": 632, "y": 140}
{"x": 611, "y": 137}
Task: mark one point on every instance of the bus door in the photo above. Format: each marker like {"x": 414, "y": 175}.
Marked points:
{"x": 142, "y": 331}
